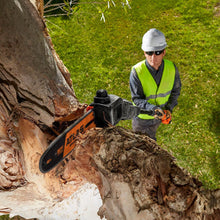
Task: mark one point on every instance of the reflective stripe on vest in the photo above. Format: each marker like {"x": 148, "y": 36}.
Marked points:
{"x": 155, "y": 95}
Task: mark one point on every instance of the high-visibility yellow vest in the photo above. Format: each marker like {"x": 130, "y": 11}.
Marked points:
{"x": 157, "y": 95}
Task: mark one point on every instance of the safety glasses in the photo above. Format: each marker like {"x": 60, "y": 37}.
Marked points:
{"x": 150, "y": 53}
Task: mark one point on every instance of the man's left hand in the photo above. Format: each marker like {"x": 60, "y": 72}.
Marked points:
{"x": 158, "y": 113}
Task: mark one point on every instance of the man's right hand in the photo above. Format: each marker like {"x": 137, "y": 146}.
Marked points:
{"x": 158, "y": 113}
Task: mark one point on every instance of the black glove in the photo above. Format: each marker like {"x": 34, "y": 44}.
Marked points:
{"x": 158, "y": 113}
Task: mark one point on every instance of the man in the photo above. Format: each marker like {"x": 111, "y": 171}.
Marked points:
{"x": 155, "y": 85}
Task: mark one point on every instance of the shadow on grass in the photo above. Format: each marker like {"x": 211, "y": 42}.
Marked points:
{"x": 215, "y": 120}
{"x": 215, "y": 166}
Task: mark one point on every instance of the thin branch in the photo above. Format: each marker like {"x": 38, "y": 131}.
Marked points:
{"x": 53, "y": 9}
{"x": 56, "y": 15}
{"x": 54, "y": 5}
{"x": 48, "y": 3}
{"x": 92, "y": 3}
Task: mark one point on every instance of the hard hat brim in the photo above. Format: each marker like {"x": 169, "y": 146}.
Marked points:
{"x": 153, "y": 48}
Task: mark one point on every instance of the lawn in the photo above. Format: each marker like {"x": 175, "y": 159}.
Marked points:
{"x": 100, "y": 55}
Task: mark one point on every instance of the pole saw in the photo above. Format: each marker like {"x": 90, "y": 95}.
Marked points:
{"x": 104, "y": 111}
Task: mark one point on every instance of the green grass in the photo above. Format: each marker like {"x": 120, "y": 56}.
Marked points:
{"x": 100, "y": 55}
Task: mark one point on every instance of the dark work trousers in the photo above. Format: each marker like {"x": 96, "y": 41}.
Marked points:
{"x": 148, "y": 127}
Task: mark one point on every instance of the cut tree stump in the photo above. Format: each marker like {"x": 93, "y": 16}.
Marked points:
{"x": 139, "y": 180}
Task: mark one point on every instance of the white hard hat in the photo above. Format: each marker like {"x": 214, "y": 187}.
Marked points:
{"x": 153, "y": 40}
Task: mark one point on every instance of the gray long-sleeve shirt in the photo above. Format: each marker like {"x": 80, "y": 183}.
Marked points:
{"x": 137, "y": 92}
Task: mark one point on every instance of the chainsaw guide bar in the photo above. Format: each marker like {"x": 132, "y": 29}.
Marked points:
{"x": 62, "y": 145}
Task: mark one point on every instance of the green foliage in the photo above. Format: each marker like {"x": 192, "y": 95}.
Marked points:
{"x": 100, "y": 55}
{"x": 68, "y": 8}
{"x": 60, "y": 7}
{"x": 4, "y": 217}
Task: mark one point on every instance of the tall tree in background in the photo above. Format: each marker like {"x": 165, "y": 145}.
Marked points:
{"x": 136, "y": 178}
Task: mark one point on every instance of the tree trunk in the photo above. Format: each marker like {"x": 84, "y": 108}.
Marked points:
{"x": 136, "y": 179}
{"x": 37, "y": 103}
{"x": 139, "y": 180}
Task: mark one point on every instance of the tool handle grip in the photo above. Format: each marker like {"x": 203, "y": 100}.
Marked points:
{"x": 144, "y": 111}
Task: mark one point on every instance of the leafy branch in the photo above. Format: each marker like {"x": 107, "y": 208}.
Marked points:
{"x": 69, "y": 7}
